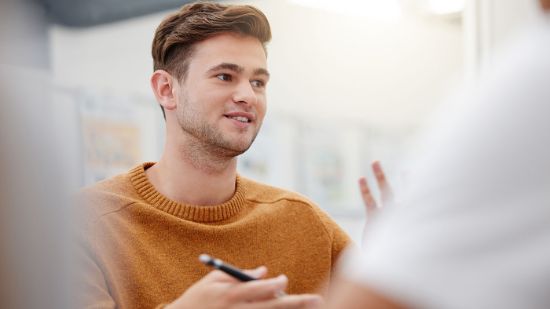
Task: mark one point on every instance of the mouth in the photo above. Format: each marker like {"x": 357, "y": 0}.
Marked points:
{"x": 242, "y": 117}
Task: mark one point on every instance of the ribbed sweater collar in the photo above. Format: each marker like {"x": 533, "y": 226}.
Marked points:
{"x": 195, "y": 213}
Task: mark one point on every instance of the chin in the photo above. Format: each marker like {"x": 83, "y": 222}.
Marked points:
{"x": 234, "y": 149}
{"x": 242, "y": 148}
{"x": 242, "y": 144}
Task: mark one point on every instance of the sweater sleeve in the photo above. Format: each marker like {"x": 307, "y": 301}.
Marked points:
{"x": 92, "y": 288}
{"x": 97, "y": 284}
{"x": 93, "y": 291}
{"x": 339, "y": 239}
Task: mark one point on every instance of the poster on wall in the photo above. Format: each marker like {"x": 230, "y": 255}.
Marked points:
{"x": 331, "y": 165}
{"x": 114, "y": 134}
{"x": 110, "y": 147}
{"x": 324, "y": 166}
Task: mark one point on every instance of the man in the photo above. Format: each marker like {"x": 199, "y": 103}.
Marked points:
{"x": 145, "y": 229}
{"x": 474, "y": 230}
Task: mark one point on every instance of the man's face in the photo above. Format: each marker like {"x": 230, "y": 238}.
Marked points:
{"x": 222, "y": 101}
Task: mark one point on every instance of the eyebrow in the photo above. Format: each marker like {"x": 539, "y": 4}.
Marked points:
{"x": 236, "y": 68}
{"x": 261, "y": 71}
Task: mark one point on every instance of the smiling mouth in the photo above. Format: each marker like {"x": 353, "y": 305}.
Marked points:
{"x": 239, "y": 118}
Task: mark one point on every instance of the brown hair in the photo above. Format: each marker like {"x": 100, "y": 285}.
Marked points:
{"x": 175, "y": 36}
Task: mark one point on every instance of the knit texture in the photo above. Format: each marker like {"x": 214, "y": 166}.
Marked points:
{"x": 140, "y": 249}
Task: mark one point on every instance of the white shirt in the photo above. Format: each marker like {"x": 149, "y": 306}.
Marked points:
{"x": 473, "y": 231}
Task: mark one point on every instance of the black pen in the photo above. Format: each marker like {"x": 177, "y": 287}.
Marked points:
{"x": 230, "y": 270}
{"x": 226, "y": 268}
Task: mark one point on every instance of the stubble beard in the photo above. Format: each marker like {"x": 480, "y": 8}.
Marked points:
{"x": 208, "y": 140}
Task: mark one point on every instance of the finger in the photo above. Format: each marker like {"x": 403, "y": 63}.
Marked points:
{"x": 258, "y": 290}
{"x": 386, "y": 192}
{"x": 368, "y": 199}
{"x": 218, "y": 276}
{"x": 309, "y": 301}
{"x": 258, "y": 272}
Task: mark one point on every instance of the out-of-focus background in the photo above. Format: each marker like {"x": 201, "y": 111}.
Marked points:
{"x": 352, "y": 81}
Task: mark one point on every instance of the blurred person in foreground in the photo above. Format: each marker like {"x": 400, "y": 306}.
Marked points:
{"x": 473, "y": 231}
{"x": 144, "y": 230}
{"x": 34, "y": 241}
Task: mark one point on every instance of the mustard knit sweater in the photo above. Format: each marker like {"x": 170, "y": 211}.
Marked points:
{"x": 141, "y": 249}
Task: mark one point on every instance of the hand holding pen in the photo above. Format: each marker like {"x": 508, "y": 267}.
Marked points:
{"x": 219, "y": 290}
{"x": 231, "y": 270}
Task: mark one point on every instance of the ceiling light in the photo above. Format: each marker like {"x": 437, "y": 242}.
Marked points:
{"x": 381, "y": 10}
{"x": 446, "y": 7}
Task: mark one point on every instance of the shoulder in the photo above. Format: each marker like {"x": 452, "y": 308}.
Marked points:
{"x": 263, "y": 193}
{"x": 292, "y": 203}
{"x": 107, "y": 196}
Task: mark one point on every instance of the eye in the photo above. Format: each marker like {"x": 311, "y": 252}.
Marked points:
{"x": 257, "y": 83}
{"x": 225, "y": 77}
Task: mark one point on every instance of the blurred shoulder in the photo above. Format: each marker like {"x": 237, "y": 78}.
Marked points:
{"x": 292, "y": 203}
{"x": 106, "y": 196}
{"x": 263, "y": 193}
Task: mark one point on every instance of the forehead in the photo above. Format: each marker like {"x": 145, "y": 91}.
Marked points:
{"x": 244, "y": 51}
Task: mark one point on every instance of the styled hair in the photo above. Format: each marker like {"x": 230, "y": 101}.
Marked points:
{"x": 177, "y": 34}
{"x": 195, "y": 22}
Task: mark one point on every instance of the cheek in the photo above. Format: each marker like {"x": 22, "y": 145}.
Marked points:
{"x": 211, "y": 98}
{"x": 198, "y": 102}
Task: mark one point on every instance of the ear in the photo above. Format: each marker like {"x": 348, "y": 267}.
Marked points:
{"x": 163, "y": 85}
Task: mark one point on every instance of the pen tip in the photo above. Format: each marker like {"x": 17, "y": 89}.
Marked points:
{"x": 205, "y": 258}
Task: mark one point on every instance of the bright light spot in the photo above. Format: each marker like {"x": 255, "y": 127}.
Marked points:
{"x": 379, "y": 10}
{"x": 444, "y": 7}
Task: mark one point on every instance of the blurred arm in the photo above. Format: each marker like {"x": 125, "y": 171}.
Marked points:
{"x": 350, "y": 295}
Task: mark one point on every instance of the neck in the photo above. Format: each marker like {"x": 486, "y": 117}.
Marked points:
{"x": 192, "y": 176}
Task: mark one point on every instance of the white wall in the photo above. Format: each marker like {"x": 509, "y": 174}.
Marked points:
{"x": 489, "y": 24}
{"x": 323, "y": 63}
{"x": 371, "y": 84}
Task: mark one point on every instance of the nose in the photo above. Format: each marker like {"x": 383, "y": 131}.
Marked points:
{"x": 244, "y": 93}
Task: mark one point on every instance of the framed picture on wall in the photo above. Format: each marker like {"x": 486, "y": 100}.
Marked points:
{"x": 117, "y": 132}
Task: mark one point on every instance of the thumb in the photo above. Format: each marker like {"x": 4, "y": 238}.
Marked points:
{"x": 257, "y": 273}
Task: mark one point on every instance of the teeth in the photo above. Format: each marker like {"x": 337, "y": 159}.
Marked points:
{"x": 241, "y": 119}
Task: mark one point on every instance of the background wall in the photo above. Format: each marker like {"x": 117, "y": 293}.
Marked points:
{"x": 489, "y": 24}
{"x": 345, "y": 89}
